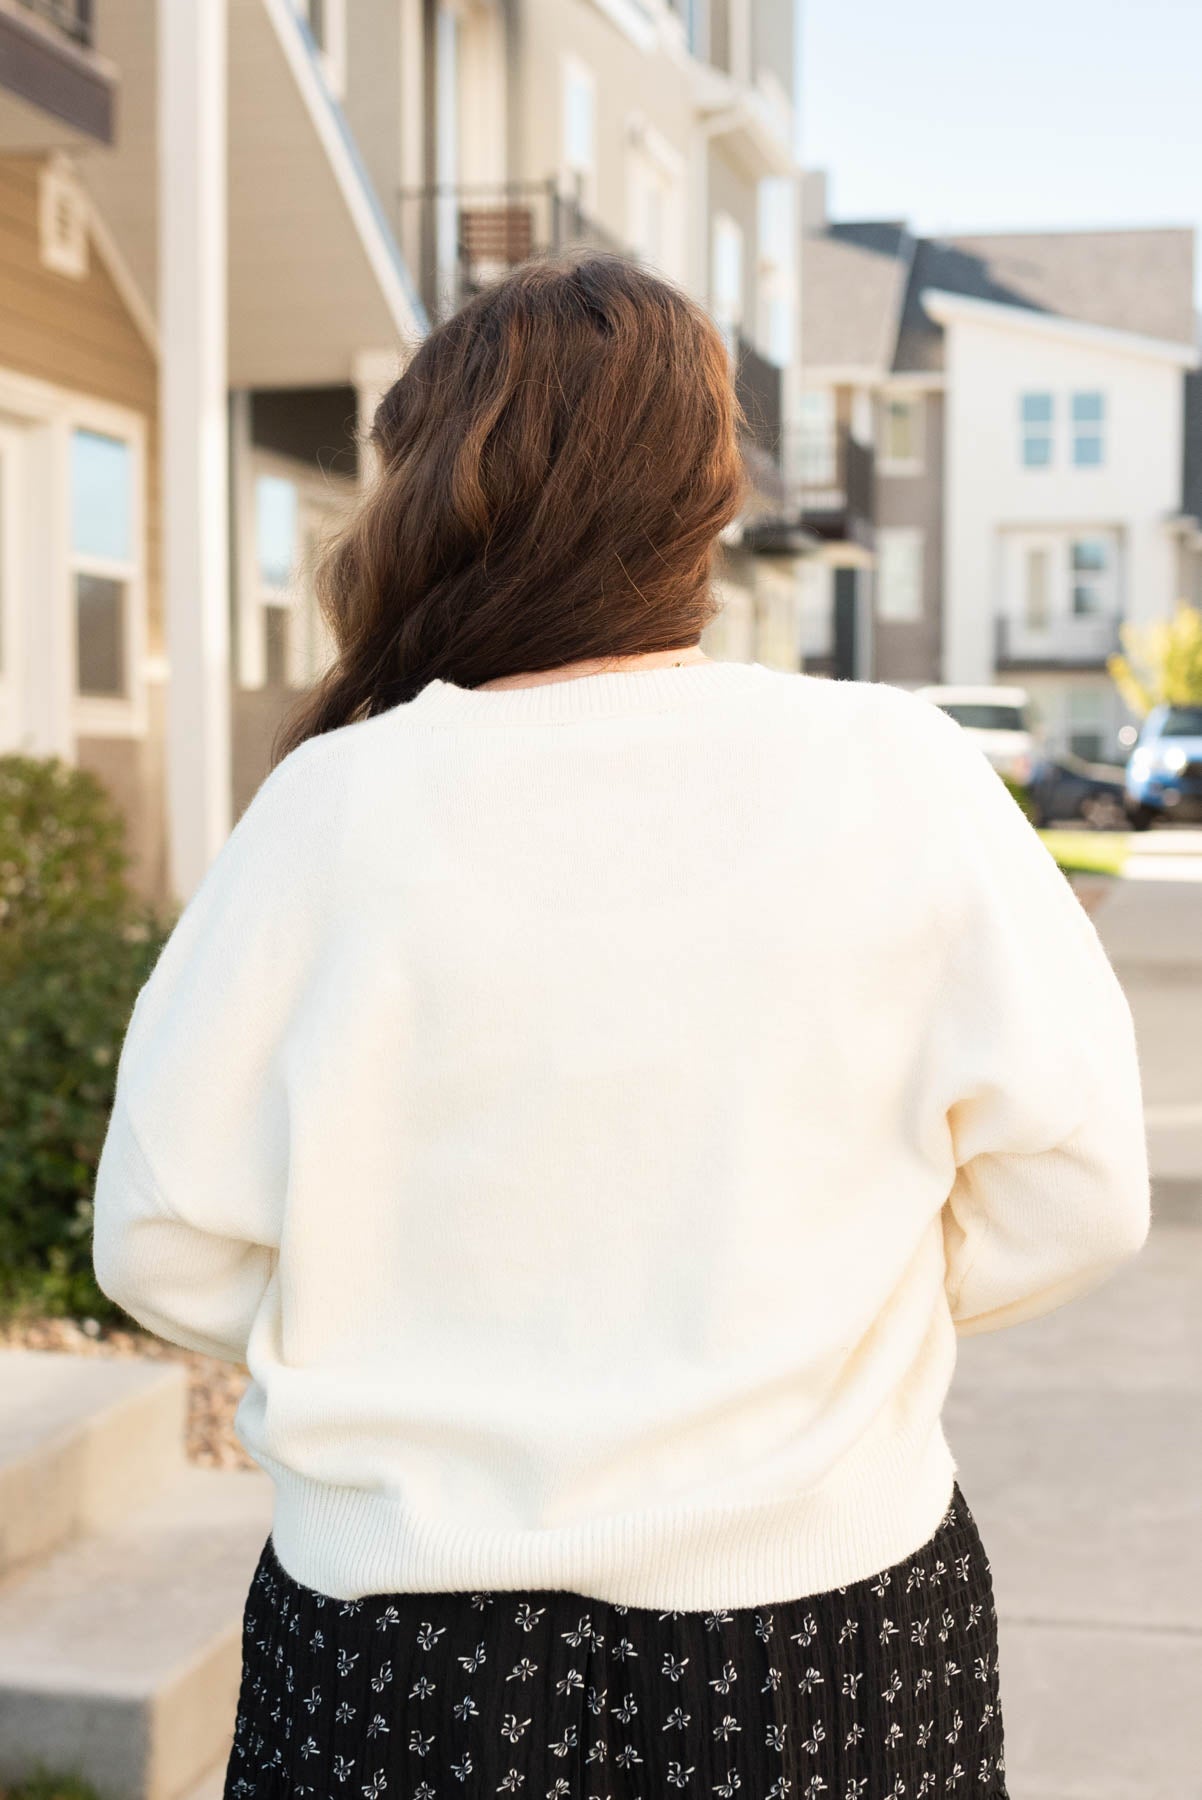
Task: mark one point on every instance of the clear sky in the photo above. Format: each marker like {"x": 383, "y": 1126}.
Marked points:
{"x": 979, "y": 115}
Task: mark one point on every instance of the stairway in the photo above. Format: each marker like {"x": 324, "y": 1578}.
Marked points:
{"x": 123, "y": 1572}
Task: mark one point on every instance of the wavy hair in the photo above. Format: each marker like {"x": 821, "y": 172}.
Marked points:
{"x": 554, "y": 467}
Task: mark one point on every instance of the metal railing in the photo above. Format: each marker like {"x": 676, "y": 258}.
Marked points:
{"x": 72, "y": 17}
{"x": 460, "y": 236}
{"x": 833, "y": 475}
{"x": 758, "y": 385}
{"x": 1084, "y": 639}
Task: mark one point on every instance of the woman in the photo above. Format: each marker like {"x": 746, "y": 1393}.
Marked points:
{"x": 592, "y": 1088}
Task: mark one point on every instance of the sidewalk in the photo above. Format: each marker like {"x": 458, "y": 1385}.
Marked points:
{"x": 1078, "y": 1438}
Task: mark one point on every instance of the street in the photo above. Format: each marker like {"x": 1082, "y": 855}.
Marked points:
{"x": 1078, "y": 1436}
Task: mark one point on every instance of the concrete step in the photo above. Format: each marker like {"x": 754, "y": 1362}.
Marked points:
{"x": 120, "y": 1655}
{"x": 82, "y": 1439}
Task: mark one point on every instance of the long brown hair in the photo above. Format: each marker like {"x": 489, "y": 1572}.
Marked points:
{"x": 555, "y": 465}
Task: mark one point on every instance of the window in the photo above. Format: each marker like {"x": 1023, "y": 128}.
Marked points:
{"x": 817, "y": 459}
{"x": 283, "y": 640}
{"x": 899, "y": 576}
{"x": 579, "y": 128}
{"x": 1092, "y": 566}
{"x": 901, "y": 435}
{"x": 726, "y": 277}
{"x": 103, "y": 561}
{"x": 1037, "y": 424}
{"x": 1089, "y": 423}
{"x": 655, "y": 173}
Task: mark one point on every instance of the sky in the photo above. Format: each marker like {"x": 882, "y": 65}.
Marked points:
{"x": 970, "y": 115}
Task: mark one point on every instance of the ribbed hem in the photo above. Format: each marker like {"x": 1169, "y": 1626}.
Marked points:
{"x": 616, "y": 693}
{"x": 348, "y": 1543}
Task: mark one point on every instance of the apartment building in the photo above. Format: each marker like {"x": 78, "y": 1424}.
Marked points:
{"x": 1023, "y": 400}
{"x": 226, "y": 223}
{"x": 665, "y": 128}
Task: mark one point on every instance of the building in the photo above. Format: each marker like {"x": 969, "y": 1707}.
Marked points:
{"x": 187, "y": 365}
{"x": 181, "y": 372}
{"x": 1024, "y": 399}
{"x": 665, "y": 128}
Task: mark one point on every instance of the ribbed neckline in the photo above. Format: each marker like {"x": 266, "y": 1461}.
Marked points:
{"x": 613, "y": 693}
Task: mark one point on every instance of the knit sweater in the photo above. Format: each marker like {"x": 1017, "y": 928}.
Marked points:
{"x": 592, "y": 1110}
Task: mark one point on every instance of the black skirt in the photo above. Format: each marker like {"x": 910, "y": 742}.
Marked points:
{"x": 887, "y": 1687}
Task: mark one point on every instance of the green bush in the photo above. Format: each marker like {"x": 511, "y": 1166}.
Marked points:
{"x": 75, "y": 947}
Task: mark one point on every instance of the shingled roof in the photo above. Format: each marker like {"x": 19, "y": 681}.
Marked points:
{"x": 1137, "y": 281}
{"x": 862, "y": 286}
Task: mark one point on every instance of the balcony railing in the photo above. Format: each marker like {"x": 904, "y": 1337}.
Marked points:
{"x": 461, "y": 236}
{"x": 835, "y": 479}
{"x": 758, "y": 386}
{"x": 72, "y": 17}
{"x": 1064, "y": 640}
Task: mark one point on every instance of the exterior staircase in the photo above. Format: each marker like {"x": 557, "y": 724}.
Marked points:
{"x": 123, "y": 1573}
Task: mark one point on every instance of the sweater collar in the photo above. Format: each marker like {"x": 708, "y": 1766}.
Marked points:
{"x": 614, "y": 693}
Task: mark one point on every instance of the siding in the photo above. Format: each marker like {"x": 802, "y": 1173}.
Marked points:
{"x": 78, "y": 335}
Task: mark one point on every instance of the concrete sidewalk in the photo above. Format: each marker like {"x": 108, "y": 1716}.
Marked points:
{"x": 1078, "y": 1434}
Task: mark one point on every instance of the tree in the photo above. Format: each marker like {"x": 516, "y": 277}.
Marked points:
{"x": 1163, "y": 662}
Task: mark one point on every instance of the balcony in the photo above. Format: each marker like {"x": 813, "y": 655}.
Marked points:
{"x": 461, "y": 237}
{"x": 835, "y": 476}
{"x": 1064, "y": 641}
{"x": 50, "y": 72}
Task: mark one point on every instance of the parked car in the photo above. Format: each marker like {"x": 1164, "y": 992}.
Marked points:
{"x": 1164, "y": 770}
{"x": 999, "y": 720}
{"x": 1066, "y": 787}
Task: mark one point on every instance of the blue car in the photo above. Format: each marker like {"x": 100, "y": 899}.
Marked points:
{"x": 1164, "y": 772}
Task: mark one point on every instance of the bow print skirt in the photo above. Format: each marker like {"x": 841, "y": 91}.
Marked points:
{"x": 885, "y": 1688}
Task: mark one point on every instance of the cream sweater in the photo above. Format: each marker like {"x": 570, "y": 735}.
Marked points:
{"x": 593, "y": 1109}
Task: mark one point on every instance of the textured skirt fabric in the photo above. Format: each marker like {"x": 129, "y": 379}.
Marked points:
{"x": 885, "y": 1688}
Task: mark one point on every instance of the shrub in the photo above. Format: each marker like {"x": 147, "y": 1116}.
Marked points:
{"x": 75, "y": 947}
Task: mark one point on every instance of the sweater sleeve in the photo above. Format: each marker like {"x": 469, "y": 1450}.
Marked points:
{"x": 189, "y": 1193}
{"x": 1040, "y": 1074}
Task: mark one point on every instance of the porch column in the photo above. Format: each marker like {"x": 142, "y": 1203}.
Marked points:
{"x": 372, "y": 374}
{"x": 192, "y": 319}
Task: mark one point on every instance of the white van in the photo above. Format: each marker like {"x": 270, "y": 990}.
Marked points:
{"x": 999, "y": 719}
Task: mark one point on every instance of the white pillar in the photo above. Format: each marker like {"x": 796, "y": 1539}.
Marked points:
{"x": 192, "y": 320}
{"x": 372, "y": 374}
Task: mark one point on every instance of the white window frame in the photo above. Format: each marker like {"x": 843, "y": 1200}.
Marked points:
{"x": 331, "y": 56}
{"x": 97, "y": 715}
{"x": 1084, "y": 429}
{"x": 54, "y": 716}
{"x": 575, "y": 176}
{"x": 1033, "y": 429}
{"x": 319, "y": 495}
{"x": 915, "y": 404}
{"x": 107, "y": 714}
{"x": 912, "y": 540}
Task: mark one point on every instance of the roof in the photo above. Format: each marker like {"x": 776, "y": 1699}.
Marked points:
{"x": 852, "y": 282}
{"x": 863, "y": 283}
{"x": 1135, "y": 281}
